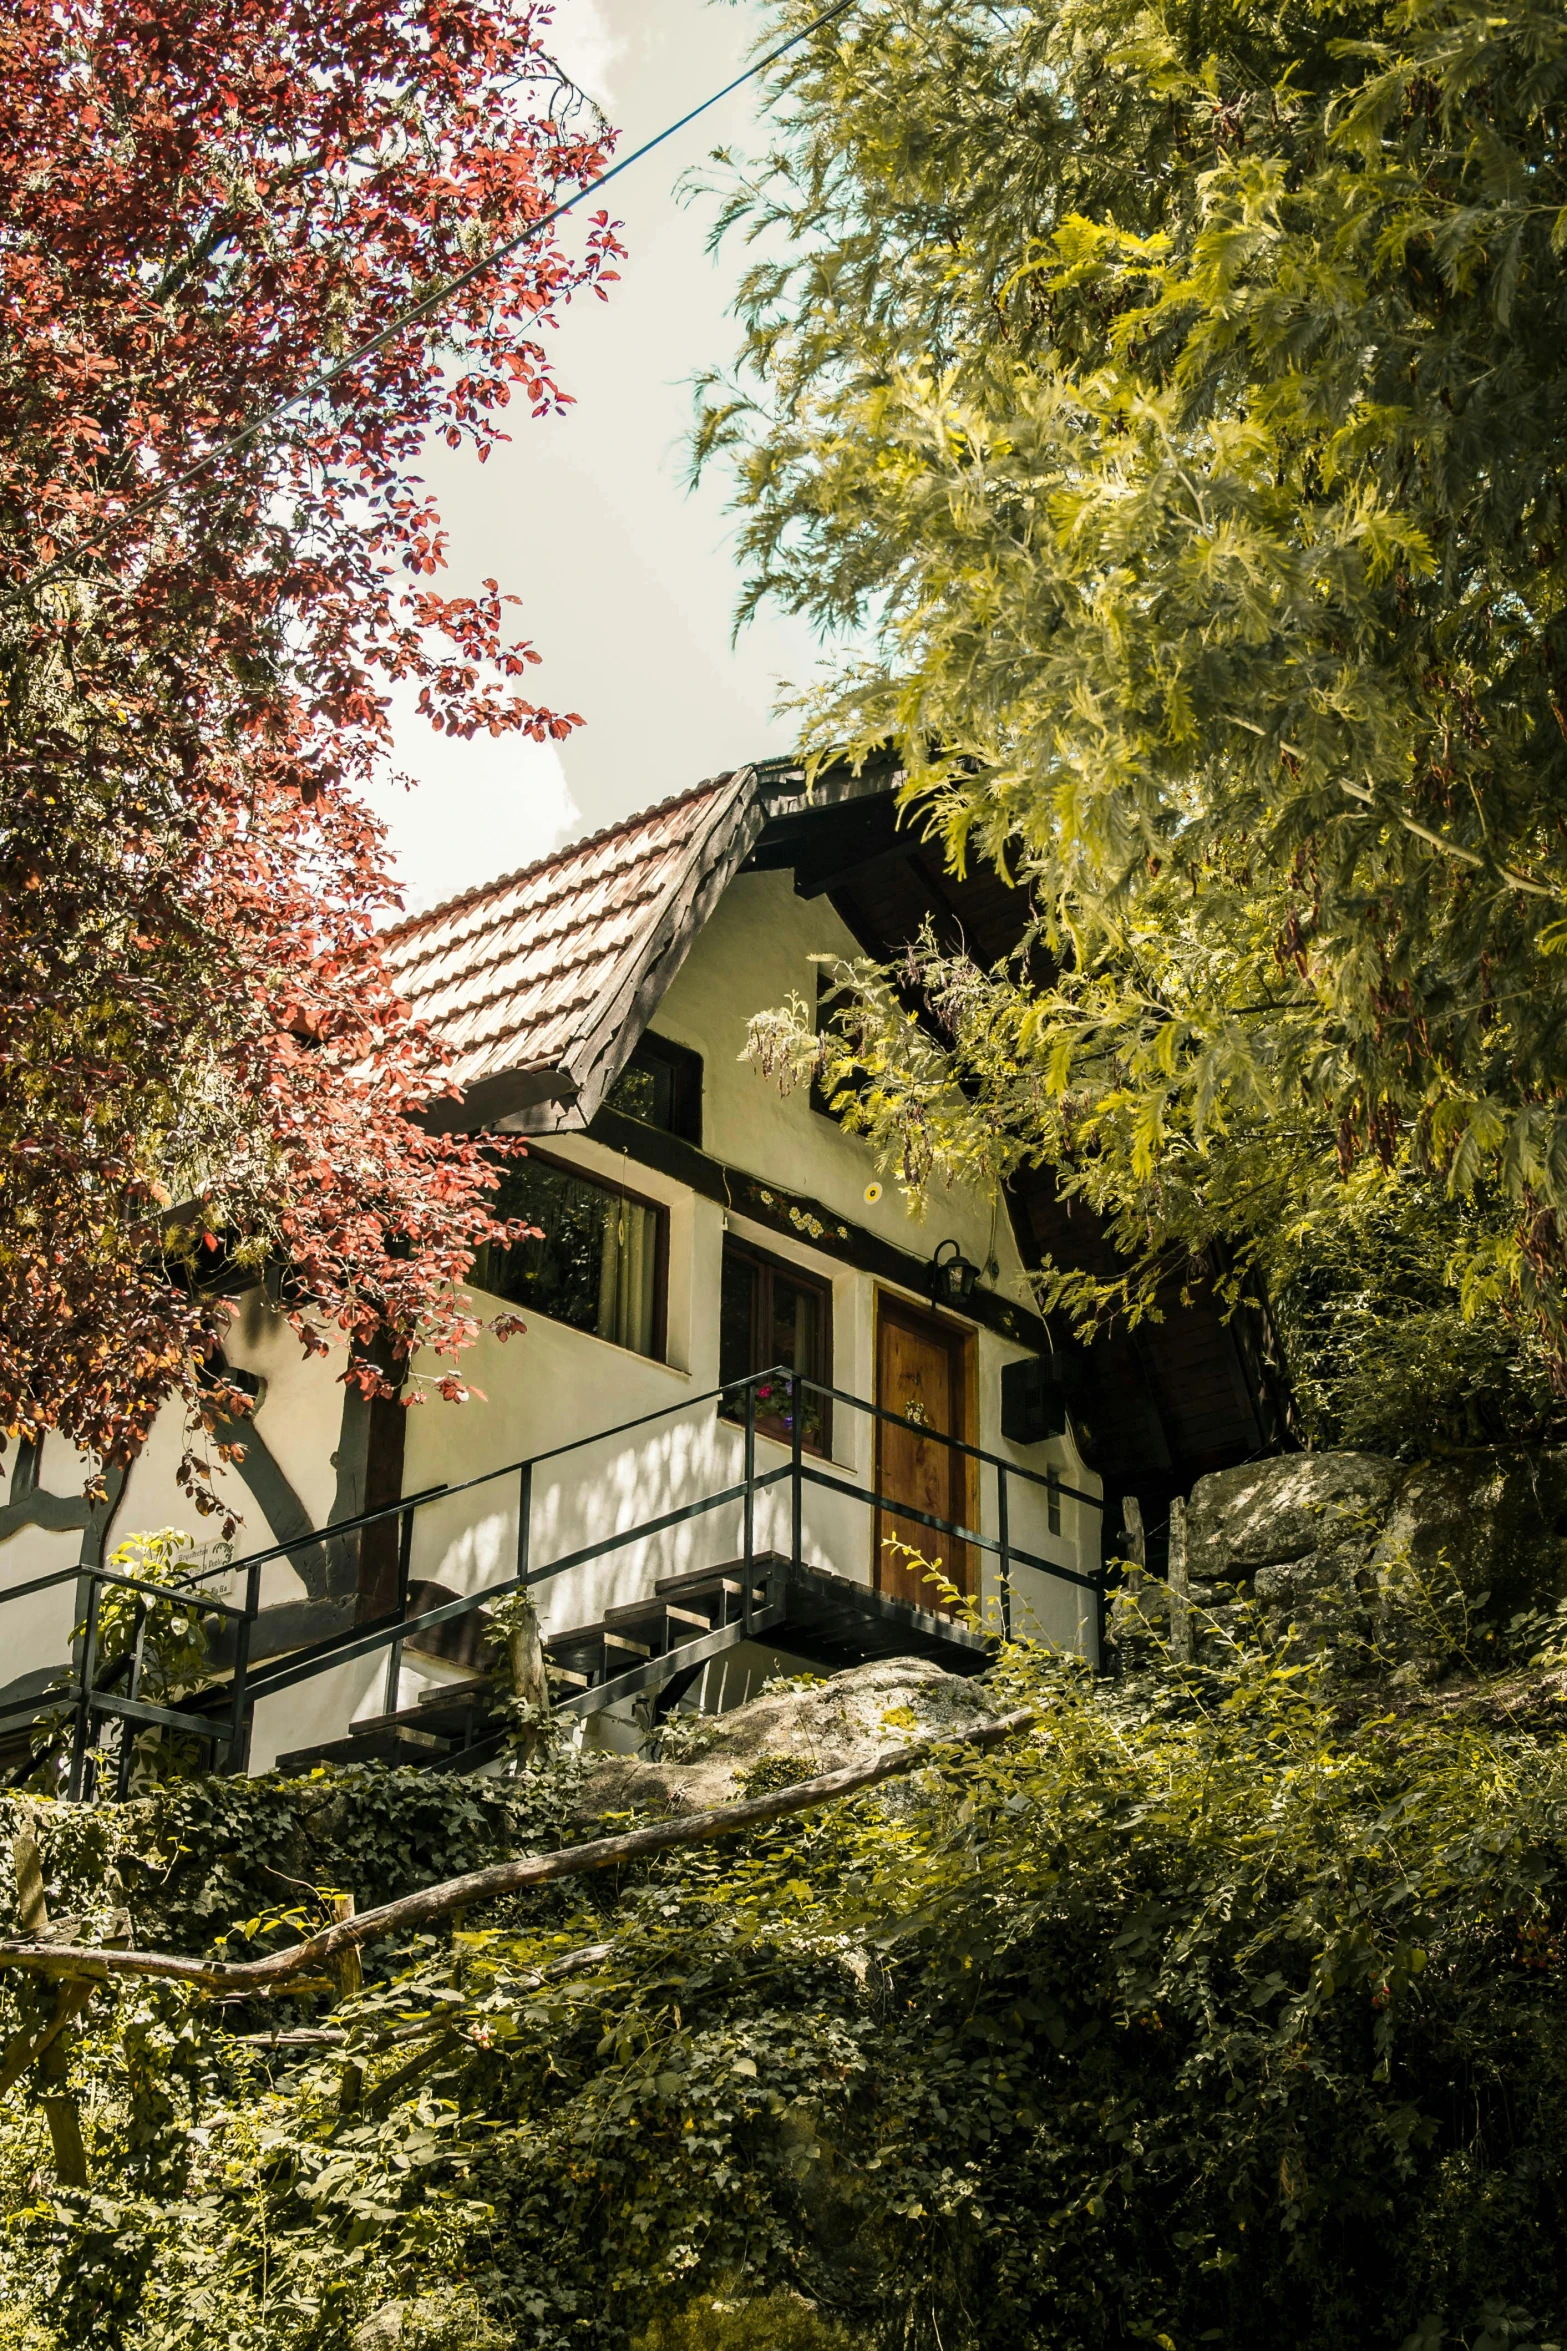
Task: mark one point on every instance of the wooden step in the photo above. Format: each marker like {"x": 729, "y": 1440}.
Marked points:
{"x": 716, "y": 1601}
{"x": 591, "y": 1652}
{"x": 696, "y": 1583}
{"x": 656, "y": 1622}
{"x": 448, "y": 1712}
{"x": 398, "y": 1744}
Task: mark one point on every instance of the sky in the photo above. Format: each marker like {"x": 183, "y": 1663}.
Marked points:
{"x": 628, "y": 580}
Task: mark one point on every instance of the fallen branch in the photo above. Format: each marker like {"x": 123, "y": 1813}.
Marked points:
{"x": 341, "y": 2037}
{"x": 503, "y": 1877}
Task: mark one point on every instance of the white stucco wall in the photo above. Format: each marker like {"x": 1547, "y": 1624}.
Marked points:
{"x": 551, "y": 1387}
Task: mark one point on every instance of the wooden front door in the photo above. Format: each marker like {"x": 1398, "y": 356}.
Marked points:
{"x": 922, "y": 1370}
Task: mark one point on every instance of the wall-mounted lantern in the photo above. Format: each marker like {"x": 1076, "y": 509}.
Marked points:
{"x": 952, "y": 1278}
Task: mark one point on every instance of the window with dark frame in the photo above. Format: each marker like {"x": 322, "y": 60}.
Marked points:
{"x": 662, "y": 1085}
{"x": 600, "y": 1264}
{"x": 771, "y": 1313}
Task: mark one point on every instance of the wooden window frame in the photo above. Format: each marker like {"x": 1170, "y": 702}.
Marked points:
{"x": 804, "y": 1278}
{"x": 616, "y": 1191}
{"x": 684, "y": 1068}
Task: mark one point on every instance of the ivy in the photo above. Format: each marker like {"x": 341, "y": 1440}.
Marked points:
{"x": 1220, "y": 2010}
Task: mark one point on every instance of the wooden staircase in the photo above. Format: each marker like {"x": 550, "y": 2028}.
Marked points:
{"x": 659, "y": 1646}
{"x": 448, "y": 1729}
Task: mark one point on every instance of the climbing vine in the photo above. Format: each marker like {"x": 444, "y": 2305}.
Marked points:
{"x": 1225, "y": 2008}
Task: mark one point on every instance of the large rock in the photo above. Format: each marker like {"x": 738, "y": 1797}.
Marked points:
{"x": 1393, "y": 1558}
{"x": 823, "y": 1727}
{"x": 453, "y": 2321}
{"x": 1270, "y": 1512}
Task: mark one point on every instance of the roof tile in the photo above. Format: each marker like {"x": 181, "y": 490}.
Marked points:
{"x": 508, "y": 973}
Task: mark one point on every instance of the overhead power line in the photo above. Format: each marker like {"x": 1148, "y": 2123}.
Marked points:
{"x": 427, "y": 304}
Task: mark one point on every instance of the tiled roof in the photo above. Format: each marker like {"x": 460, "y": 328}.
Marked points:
{"x": 512, "y": 974}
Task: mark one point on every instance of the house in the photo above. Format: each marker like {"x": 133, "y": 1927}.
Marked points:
{"x": 700, "y": 1229}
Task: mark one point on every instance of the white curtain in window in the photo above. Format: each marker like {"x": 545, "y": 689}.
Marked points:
{"x": 627, "y": 1274}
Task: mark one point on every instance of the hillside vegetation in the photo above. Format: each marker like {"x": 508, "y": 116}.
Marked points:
{"x": 1226, "y": 2007}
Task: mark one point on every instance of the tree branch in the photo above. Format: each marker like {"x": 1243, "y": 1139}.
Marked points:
{"x": 503, "y": 1877}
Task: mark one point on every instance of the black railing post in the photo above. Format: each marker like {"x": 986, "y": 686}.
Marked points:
{"x": 747, "y": 1595}
{"x": 394, "y": 1655}
{"x": 82, "y": 1732}
{"x": 122, "y": 1776}
{"x": 239, "y": 1707}
{"x": 796, "y": 1473}
{"x": 1004, "y": 1537}
{"x": 524, "y": 1523}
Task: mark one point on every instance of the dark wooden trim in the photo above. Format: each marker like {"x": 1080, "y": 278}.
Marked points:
{"x": 57, "y": 1514}
{"x": 710, "y": 864}
{"x": 513, "y": 1094}
{"x": 385, "y": 1441}
{"x": 797, "y": 1217}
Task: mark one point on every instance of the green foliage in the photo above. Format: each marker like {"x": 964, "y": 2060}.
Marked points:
{"x": 1170, "y": 398}
{"x": 168, "y": 1639}
{"x": 776, "y": 2322}
{"x": 18, "y": 2332}
{"x": 1224, "y": 2008}
{"x": 173, "y": 1633}
{"x": 1381, "y": 1354}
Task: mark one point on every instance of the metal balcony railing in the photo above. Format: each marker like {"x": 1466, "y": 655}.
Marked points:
{"x": 223, "y": 1714}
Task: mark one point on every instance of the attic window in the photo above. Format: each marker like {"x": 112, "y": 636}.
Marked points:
{"x": 662, "y": 1086}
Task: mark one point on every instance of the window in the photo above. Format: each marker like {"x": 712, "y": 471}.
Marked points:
{"x": 600, "y": 1263}
{"x": 771, "y": 1313}
{"x": 662, "y": 1085}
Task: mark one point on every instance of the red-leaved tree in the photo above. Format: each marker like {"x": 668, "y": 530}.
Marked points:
{"x": 202, "y": 1060}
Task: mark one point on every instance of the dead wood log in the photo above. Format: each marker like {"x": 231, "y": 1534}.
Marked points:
{"x": 339, "y": 2037}
{"x": 282, "y": 1968}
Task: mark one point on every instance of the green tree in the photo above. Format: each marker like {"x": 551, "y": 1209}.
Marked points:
{"x": 1170, "y": 398}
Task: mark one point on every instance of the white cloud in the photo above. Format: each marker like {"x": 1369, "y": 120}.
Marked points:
{"x": 583, "y": 42}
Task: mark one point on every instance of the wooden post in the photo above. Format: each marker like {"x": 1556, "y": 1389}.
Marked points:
{"x": 347, "y": 1973}
{"x": 1180, "y": 1591}
{"x": 28, "y": 1864}
{"x": 64, "y": 2116}
{"x": 525, "y": 1654}
{"x": 53, "y": 2045}
{"x": 530, "y": 1684}
{"x": 1135, "y": 1542}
